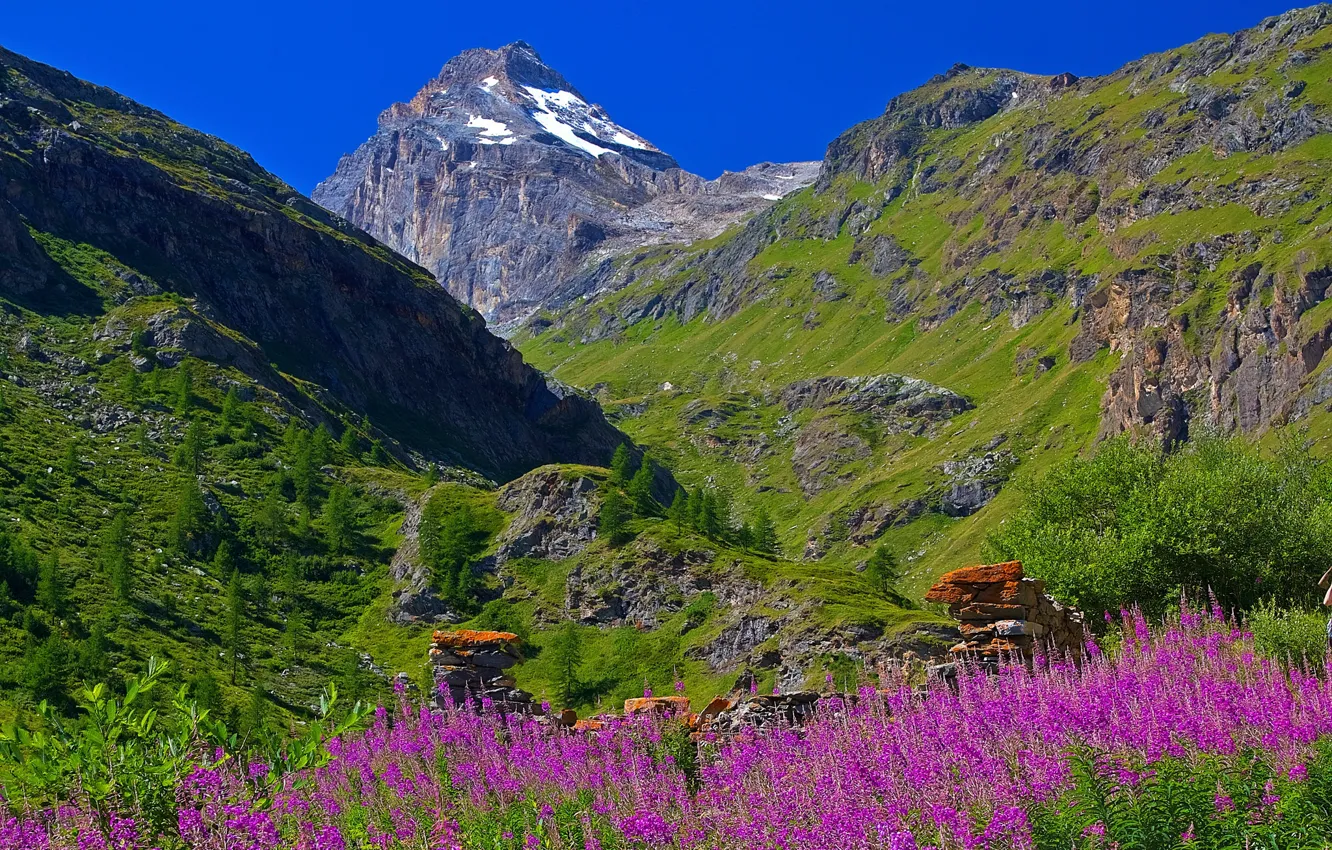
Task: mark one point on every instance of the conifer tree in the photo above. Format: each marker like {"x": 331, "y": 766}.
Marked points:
{"x": 697, "y": 503}
{"x": 235, "y": 622}
{"x": 206, "y": 693}
{"x": 295, "y": 635}
{"x": 709, "y": 517}
{"x": 340, "y": 519}
{"x": 765, "y": 532}
{"x": 189, "y": 455}
{"x": 744, "y": 536}
{"x": 566, "y": 657}
{"x": 271, "y": 519}
{"x": 190, "y": 520}
{"x": 71, "y": 464}
{"x": 115, "y": 556}
{"x": 182, "y": 393}
{"x": 882, "y": 571}
{"x": 378, "y": 454}
{"x": 613, "y": 521}
{"x": 51, "y": 592}
{"x": 621, "y": 467}
{"x": 349, "y": 442}
{"x": 678, "y": 512}
{"x": 232, "y": 414}
{"x": 321, "y": 446}
{"x": 640, "y": 491}
{"x": 224, "y": 559}
{"x": 304, "y": 470}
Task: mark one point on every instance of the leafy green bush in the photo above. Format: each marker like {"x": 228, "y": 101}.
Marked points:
{"x": 1131, "y": 524}
{"x": 1292, "y": 634}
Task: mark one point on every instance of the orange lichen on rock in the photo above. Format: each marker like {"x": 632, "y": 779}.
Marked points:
{"x": 662, "y": 705}
{"x": 1004, "y": 613}
{"x": 472, "y": 638}
{"x": 985, "y": 574}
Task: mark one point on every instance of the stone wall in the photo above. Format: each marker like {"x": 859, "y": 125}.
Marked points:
{"x": 1002, "y": 613}
{"x": 471, "y": 668}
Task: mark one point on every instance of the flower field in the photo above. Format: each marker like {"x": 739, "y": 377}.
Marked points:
{"x": 1183, "y": 736}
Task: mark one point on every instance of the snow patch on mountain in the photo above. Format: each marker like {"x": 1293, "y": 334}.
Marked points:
{"x": 488, "y": 126}
{"x": 559, "y": 112}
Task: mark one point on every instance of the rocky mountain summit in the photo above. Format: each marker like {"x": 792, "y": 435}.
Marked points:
{"x": 502, "y": 179}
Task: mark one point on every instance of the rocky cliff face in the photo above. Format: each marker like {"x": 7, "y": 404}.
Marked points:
{"x": 274, "y": 278}
{"x": 503, "y": 180}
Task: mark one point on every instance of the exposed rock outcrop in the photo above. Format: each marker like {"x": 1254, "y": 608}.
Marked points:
{"x": 554, "y": 515}
{"x": 503, "y": 180}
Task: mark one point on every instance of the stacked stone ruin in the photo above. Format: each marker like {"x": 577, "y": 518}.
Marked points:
{"x": 1002, "y": 614}
{"x": 471, "y": 668}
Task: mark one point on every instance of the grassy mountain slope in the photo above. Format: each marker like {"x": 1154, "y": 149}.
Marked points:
{"x": 1144, "y": 251}
{"x": 217, "y": 399}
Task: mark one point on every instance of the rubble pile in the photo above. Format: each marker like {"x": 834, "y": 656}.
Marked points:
{"x": 1002, "y": 613}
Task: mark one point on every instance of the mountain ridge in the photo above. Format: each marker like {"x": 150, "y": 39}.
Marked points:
{"x": 1142, "y": 252}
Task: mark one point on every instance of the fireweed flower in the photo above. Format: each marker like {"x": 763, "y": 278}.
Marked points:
{"x": 902, "y": 768}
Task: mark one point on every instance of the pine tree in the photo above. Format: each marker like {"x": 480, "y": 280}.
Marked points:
{"x": 744, "y": 536}
{"x": 232, "y": 414}
{"x": 256, "y": 713}
{"x": 350, "y": 443}
{"x": 340, "y": 519}
{"x": 378, "y": 454}
{"x": 640, "y": 491}
{"x": 71, "y": 465}
{"x": 271, "y": 519}
{"x": 709, "y": 517}
{"x": 697, "y": 503}
{"x": 613, "y": 521}
{"x": 190, "y": 520}
{"x": 295, "y": 636}
{"x": 566, "y": 652}
{"x": 235, "y": 622}
{"x": 765, "y": 532}
{"x": 182, "y": 394}
{"x": 51, "y": 594}
{"x": 131, "y": 384}
{"x": 289, "y": 581}
{"x": 450, "y": 537}
{"x": 189, "y": 455}
{"x": 621, "y": 467}
{"x": 678, "y": 512}
{"x": 882, "y": 571}
{"x": 321, "y": 446}
{"x": 92, "y": 655}
{"x": 224, "y": 559}
{"x": 115, "y": 556}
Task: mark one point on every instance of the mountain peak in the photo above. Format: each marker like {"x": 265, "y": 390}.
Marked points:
{"x": 510, "y": 96}
{"x": 508, "y": 68}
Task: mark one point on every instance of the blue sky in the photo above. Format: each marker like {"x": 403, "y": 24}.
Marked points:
{"x": 717, "y": 84}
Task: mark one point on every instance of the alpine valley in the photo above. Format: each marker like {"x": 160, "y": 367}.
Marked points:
{"x": 280, "y": 440}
